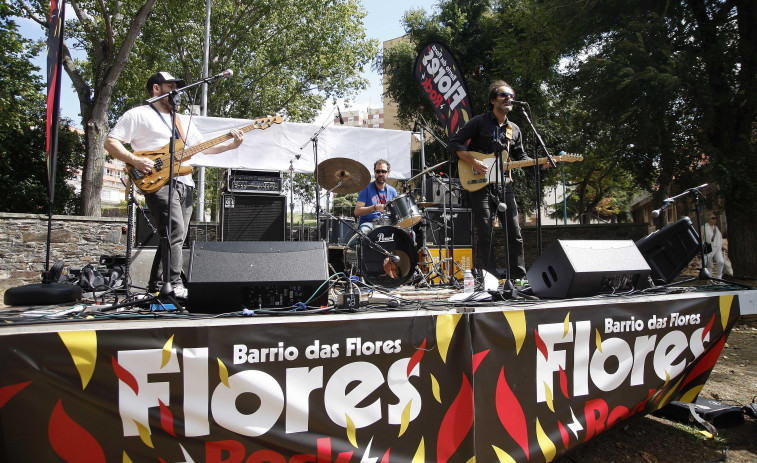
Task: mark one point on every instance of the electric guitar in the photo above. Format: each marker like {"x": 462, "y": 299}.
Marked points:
{"x": 472, "y": 180}
{"x": 154, "y": 181}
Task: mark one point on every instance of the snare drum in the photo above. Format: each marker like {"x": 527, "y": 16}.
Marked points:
{"x": 403, "y": 211}
{"x": 370, "y": 261}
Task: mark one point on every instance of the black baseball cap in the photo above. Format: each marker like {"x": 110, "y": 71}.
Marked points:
{"x": 160, "y": 77}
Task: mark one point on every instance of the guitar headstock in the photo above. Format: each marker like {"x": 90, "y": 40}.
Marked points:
{"x": 265, "y": 122}
{"x": 569, "y": 157}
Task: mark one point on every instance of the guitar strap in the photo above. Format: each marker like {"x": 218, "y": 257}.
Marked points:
{"x": 509, "y": 136}
{"x": 179, "y": 129}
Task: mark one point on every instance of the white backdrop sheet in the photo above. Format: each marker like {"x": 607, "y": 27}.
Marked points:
{"x": 274, "y": 147}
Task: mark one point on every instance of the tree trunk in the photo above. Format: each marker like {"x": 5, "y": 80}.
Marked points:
{"x": 92, "y": 177}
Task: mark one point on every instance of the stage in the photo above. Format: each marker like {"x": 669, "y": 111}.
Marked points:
{"x": 428, "y": 380}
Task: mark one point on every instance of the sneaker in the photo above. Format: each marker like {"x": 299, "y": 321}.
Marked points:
{"x": 180, "y": 291}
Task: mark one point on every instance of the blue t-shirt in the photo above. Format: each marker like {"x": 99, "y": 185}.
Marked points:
{"x": 372, "y": 195}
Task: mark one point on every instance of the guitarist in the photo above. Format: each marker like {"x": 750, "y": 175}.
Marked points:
{"x": 488, "y": 133}
{"x": 148, "y": 127}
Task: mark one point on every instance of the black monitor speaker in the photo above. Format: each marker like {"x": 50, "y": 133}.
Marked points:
{"x": 669, "y": 250}
{"x": 582, "y": 268}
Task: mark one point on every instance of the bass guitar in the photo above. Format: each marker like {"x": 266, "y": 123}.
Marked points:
{"x": 154, "y": 181}
{"x": 472, "y": 180}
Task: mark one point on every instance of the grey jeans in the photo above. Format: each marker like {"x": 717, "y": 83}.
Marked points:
{"x": 181, "y": 212}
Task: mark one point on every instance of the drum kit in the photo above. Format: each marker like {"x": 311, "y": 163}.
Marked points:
{"x": 393, "y": 253}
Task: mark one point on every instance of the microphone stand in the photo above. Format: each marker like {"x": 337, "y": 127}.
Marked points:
{"x": 508, "y": 290}
{"x": 704, "y": 274}
{"x": 537, "y": 172}
{"x": 314, "y": 140}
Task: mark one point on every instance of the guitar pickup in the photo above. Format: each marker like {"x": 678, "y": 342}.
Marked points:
{"x": 136, "y": 174}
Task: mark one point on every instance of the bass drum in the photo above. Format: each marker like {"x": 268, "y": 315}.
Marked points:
{"x": 372, "y": 264}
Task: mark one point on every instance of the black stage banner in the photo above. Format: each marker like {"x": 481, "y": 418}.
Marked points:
{"x": 549, "y": 380}
{"x": 375, "y": 388}
{"x": 441, "y": 79}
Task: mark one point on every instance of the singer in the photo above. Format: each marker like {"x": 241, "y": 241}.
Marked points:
{"x": 487, "y": 133}
{"x": 148, "y": 127}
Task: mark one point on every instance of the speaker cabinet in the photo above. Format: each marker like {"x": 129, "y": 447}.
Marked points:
{"x": 435, "y": 191}
{"x": 144, "y": 236}
{"x": 586, "y": 268}
{"x": 248, "y": 217}
{"x": 229, "y": 276}
{"x": 459, "y": 218}
{"x": 670, "y": 249}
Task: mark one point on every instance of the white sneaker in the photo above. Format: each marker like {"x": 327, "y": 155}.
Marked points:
{"x": 180, "y": 291}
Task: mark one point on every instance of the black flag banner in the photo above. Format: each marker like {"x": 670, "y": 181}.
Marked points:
{"x": 54, "y": 60}
{"x": 439, "y": 75}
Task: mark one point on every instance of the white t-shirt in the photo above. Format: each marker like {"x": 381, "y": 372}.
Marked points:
{"x": 146, "y": 130}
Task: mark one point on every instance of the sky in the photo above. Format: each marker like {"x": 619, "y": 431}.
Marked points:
{"x": 382, "y": 22}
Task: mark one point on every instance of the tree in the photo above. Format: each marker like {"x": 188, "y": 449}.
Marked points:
{"x": 288, "y": 57}
{"x": 23, "y": 166}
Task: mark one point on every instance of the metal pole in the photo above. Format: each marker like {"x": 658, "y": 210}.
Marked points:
{"x": 204, "y": 112}
{"x": 564, "y": 198}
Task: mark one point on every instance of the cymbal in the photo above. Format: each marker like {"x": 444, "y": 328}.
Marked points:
{"x": 353, "y": 175}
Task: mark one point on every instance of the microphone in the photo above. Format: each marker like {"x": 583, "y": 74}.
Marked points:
{"x": 226, "y": 73}
{"x": 656, "y": 212}
{"x": 341, "y": 119}
{"x": 395, "y": 258}
{"x": 520, "y": 103}
{"x": 502, "y": 207}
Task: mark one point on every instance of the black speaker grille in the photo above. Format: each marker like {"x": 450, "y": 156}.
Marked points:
{"x": 246, "y": 217}
{"x": 459, "y": 218}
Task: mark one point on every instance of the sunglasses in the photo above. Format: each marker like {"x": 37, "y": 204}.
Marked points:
{"x": 505, "y": 95}
{"x": 381, "y": 171}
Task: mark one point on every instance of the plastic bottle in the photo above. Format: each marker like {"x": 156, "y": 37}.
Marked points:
{"x": 468, "y": 282}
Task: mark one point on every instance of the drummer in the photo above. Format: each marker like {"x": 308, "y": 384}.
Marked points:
{"x": 372, "y": 200}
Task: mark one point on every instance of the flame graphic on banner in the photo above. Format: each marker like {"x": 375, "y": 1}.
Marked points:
{"x": 725, "y": 309}
{"x": 166, "y": 419}
{"x": 598, "y": 340}
{"x": 435, "y": 389}
{"x": 167, "y": 352}
{"x": 502, "y": 455}
{"x": 420, "y": 454}
{"x": 708, "y": 328}
{"x": 707, "y": 362}
{"x": 125, "y": 376}
{"x": 548, "y": 396}
{"x": 563, "y": 434}
{"x": 125, "y": 458}
{"x": 692, "y": 394}
{"x": 445, "y": 328}
{"x": 385, "y": 458}
{"x": 187, "y": 457}
{"x": 70, "y": 441}
{"x": 416, "y": 358}
{"x": 478, "y": 358}
{"x": 144, "y": 434}
{"x": 456, "y": 424}
{"x": 223, "y": 373}
{"x": 511, "y": 413}
{"x": 405, "y": 418}
{"x": 351, "y": 433}
{"x": 7, "y": 392}
{"x": 566, "y": 326}
{"x": 564, "y": 383}
{"x": 540, "y": 345}
{"x": 517, "y": 321}
{"x": 82, "y": 346}
{"x": 547, "y": 446}
{"x": 673, "y": 389}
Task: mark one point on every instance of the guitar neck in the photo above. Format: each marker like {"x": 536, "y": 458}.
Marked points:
{"x": 189, "y": 152}
{"x": 527, "y": 162}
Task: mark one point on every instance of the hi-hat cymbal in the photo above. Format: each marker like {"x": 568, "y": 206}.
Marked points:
{"x": 353, "y": 175}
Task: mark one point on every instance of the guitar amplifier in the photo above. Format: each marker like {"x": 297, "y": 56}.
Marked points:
{"x": 254, "y": 181}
